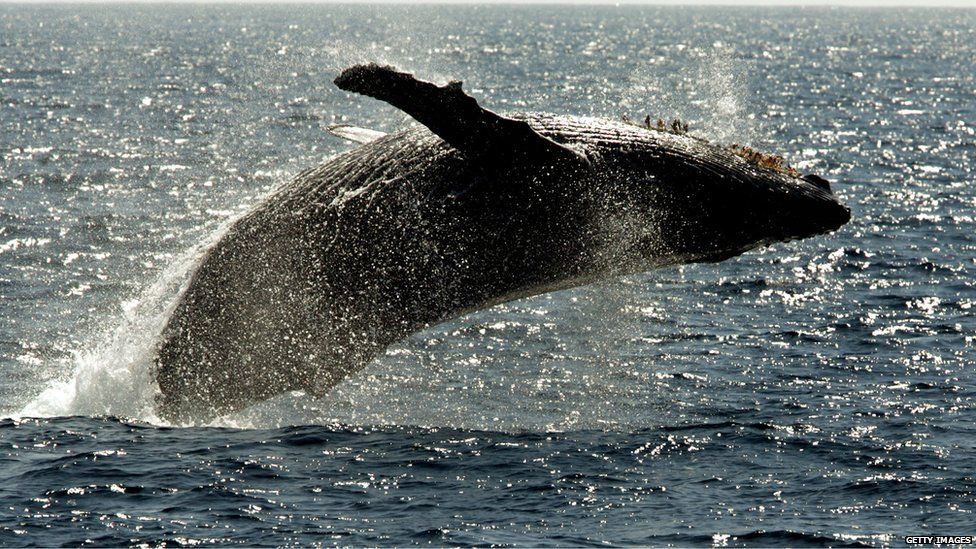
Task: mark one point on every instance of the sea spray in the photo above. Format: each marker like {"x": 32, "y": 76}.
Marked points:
{"x": 114, "y": 376}
{"x": 706, "y": 86}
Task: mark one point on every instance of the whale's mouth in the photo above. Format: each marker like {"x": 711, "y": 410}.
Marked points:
{"x": 840, "y": 218}
{"x": 827, "y": 213}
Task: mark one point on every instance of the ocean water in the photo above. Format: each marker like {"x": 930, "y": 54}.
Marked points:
{"x": 814, "y": 393}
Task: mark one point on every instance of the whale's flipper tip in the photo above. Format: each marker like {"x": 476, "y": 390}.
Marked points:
{"x": 455, "y": 116}
{"x": 355, "y": 134}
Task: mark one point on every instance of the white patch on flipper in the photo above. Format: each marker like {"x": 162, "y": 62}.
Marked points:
{"x": 354, "y": 134}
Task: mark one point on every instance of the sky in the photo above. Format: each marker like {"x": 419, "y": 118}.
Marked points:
{"x": 915, "y": 3}
{"x": 912, "y": 3}
{"x": 852, "y": 3}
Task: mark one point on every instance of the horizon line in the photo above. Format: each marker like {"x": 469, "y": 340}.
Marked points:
{"x": 965, "y": 4}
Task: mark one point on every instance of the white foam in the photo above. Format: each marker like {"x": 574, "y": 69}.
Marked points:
{"x": 114, "y": 376}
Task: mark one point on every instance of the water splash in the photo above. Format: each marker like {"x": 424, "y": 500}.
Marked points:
{"x": 723, "y": 97}
{"x": 114, "y": 377}
{"x": 707, "y": 87}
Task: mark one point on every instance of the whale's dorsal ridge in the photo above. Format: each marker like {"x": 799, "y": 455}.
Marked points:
{"x": 455, "y": 116}
{"x": 355, "y": 134}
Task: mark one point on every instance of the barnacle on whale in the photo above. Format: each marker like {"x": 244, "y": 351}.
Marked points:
{"x": 676, "y": 126}
{"x": 763, "y": 160}
{"x": 773, "y": 162}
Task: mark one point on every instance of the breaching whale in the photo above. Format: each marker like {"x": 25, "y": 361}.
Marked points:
{"x": 470, "y": 210}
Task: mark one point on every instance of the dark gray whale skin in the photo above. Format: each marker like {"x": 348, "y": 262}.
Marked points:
{"x": 417, "y": 227}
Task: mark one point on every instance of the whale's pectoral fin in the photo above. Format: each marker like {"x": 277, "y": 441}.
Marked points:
{"x": 354, "y": 134}
{"x": 455, "y": 116}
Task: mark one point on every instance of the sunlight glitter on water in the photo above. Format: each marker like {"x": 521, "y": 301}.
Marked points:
{"x": 813, "y": 393}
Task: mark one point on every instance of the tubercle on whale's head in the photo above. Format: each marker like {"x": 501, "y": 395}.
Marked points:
{"x": 818, "y": 181}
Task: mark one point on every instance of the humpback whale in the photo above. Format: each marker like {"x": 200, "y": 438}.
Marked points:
{"x": 467, "y": 210}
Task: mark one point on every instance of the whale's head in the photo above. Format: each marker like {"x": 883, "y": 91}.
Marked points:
{"x": 648, "y": 198}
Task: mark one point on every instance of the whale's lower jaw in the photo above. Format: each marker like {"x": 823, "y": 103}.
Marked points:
{"x": 251, "y": 373}
{"x": 245, "y": 376}
{"x": 418, "y": 227}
